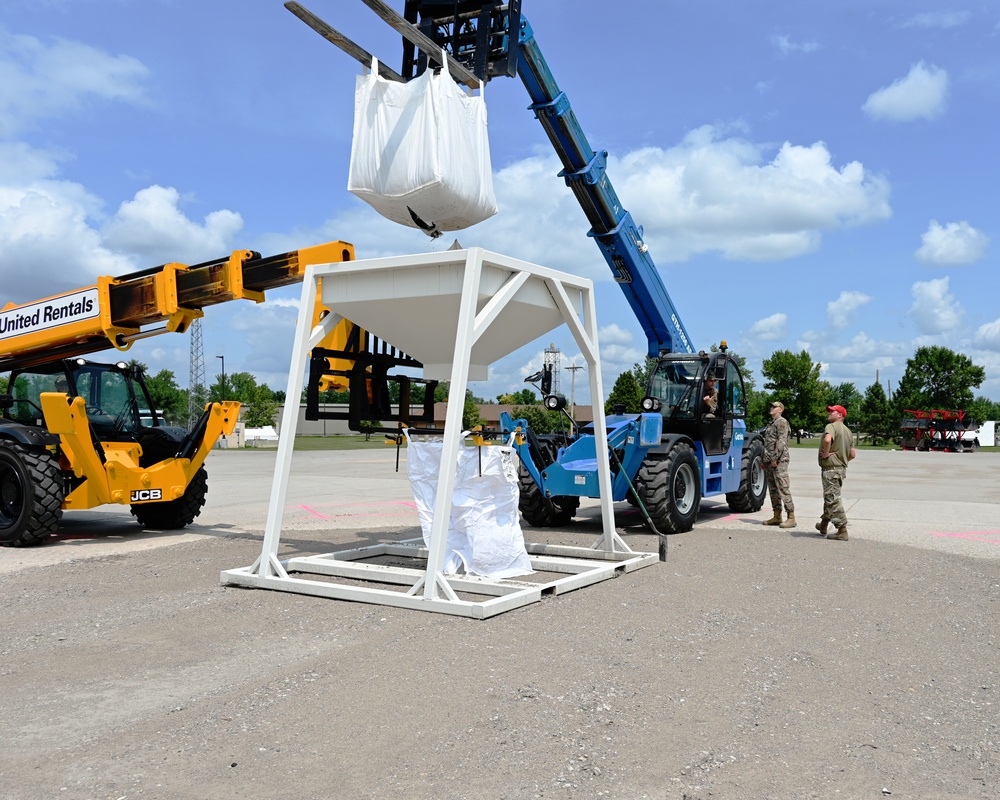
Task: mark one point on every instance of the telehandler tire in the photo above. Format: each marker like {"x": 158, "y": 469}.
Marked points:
{"x": 31, "y": 496}
{"x": 175, "y": 514}
{"x": 753, "y": 482}
{"x": 540, "y": 511}
{"x": 670, "y": 488}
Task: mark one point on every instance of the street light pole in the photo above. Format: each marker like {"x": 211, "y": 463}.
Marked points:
{"x": 572, "y": 391}
{"x": 223, "y": 377}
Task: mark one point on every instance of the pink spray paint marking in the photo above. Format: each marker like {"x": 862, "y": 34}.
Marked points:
{"x": 371, "y": 508}
{"x": 313, "y": 512}
{"x": 976, "y": 536}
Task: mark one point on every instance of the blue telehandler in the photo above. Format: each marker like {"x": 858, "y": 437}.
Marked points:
{"x": 691, "y": 440}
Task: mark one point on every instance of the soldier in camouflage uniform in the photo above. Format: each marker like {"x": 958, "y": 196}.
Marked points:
{"x": 776, "y": 465}
{"x": 835, "y": 451}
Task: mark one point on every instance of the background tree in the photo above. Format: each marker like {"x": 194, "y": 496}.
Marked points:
{"x": 260, "y": 410}
{"x": 848, "y": 396}
{"x": 470, "y": 412}
{"x": 642, "y": 372}
{"x": 525, "y": 397}
{"x": 877, "y": 417}
{"x": 540, "y": 419}
{"x": 794, "y": 380}
{"x": 170, "y": 400}
{"x": 368, "y": 427}
{"x": 758, "y": 415}
{"x": 938, "y": 378}
{"x": 239, "y": 386}
{"x": 982, "y": 409}
{"x": 626, "y": 392}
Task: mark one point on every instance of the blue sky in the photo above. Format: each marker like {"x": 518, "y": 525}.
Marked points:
{"x": 816, "y": 176}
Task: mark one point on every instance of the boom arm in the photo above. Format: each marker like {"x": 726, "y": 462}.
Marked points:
{"x": 115, "y": 312}
{"x": 612, "y": 227}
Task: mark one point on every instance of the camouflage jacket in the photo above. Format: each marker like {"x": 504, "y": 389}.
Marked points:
{"x": 776, "y": 441}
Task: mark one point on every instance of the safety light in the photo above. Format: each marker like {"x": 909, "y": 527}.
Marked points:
{"x": 555, "y": 402}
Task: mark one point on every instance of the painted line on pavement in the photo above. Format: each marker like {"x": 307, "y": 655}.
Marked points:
{"x": 975, "y": 536}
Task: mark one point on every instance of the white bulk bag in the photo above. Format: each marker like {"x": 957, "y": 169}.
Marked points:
{"x": 421, "y": 154}
{"x": 484, "y": 530}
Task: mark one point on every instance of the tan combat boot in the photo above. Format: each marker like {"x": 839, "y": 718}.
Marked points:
{"x": 840, "y": 535}
{"x": 775, "y": 518}
{"x": 822, "y": 526}
{"x": 790, "y": 522}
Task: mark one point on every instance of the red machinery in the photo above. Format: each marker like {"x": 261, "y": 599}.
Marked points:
{"x": 939, "y": 430}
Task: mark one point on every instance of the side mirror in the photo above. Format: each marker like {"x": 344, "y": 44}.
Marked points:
{"x": 6, "y": 402}
{"x": 547, "y": 380}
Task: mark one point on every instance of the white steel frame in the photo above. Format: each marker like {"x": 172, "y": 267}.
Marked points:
{"x": 430, "y": 589}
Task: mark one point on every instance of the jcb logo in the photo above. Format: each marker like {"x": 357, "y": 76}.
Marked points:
{"x": 147, "y": 494}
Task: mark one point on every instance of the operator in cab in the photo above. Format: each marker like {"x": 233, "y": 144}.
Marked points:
{"x": 711, "y": 398}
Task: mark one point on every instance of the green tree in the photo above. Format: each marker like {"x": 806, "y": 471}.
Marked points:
{"x": 846, "y": 395}
{"x": 368, "y": 427}
{"x": 938, "y": 378}
{"x": 239, "y": 386}
{"x": 642, "y": 372}
{"x": 260, "y": 410}
{"x": 626, "y": 392}
{"x": 470, "y": 412}
{"x": 525, "y": 397}
{"x": 982, "y": 409}
{"x": 877, "y": 417}
{"x": 540, "y": 419}
{"x": 794, "y": 380}
{"x": 758, "y": 404}
{"x": 170, "y": 400}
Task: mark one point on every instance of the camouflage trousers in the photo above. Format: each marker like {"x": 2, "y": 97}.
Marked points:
{"x": 833, "y": 504}
{"x": 779, "y": 488}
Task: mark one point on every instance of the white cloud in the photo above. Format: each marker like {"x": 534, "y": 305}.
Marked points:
{"x": 743, "y": 200}
{"x": 988, "y": 336}
{"x": 922, "y": 94}
{"x": 724, "y": 195}
{"x": 769, "y": 329}
{"x": 47, "y": 242}
{"x": 938, "y": 19}
{"x": 842, "y": 310}
{"x": 954, "y": 243}
{"x": 786, "y": 45}
{"x": 41, "y": 80}
{"x": 153, "y": 228}
{"x": 51, "y": 230}
{"x": 934, "y": 309}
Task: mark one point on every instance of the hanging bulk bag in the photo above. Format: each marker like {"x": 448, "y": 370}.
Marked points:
{"x": 420, "y": 155}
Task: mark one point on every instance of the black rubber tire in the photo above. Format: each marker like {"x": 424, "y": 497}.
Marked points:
{"x": 174, "y": 514}
{"x": 670, "y": 488}
{"x": 753, "y": 481}
{"x": 31, "y": 495}
{"x": 540, "y": 511}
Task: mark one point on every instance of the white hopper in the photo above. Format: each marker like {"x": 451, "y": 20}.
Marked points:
{"x": 413, "y": 303}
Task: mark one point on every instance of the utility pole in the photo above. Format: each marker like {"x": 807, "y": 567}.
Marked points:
{"x": 196, "y": 376}
{"x": 572, "y": 392}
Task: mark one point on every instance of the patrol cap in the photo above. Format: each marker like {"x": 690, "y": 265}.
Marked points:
{"x": 839, "y": 409}
{"x": 778, "y": 404}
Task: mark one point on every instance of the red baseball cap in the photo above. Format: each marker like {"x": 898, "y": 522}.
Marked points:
{"x": 839, "y": 409}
